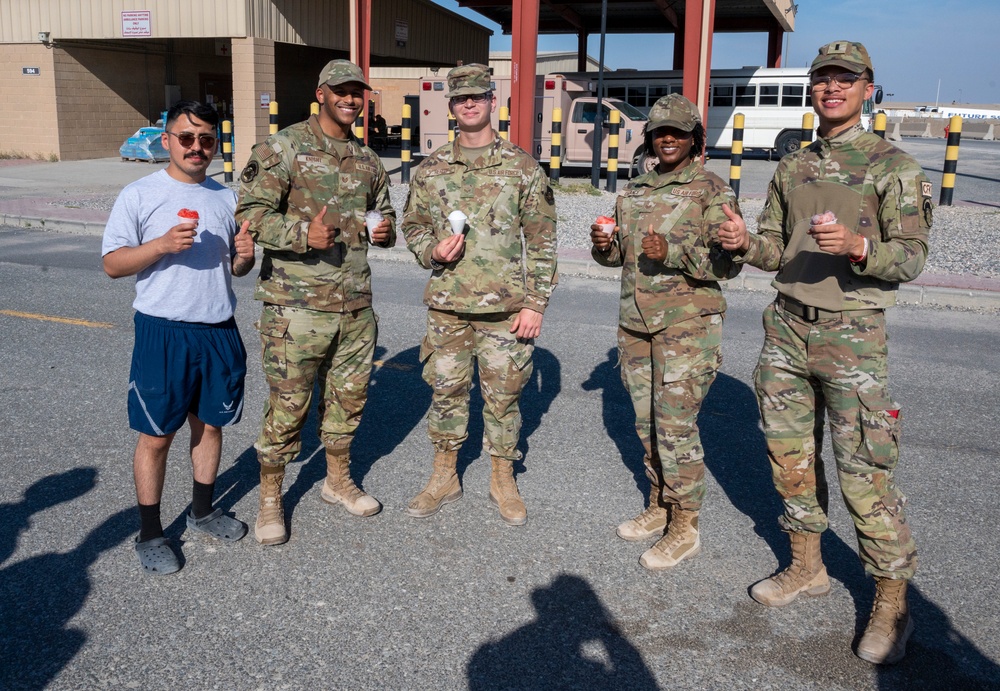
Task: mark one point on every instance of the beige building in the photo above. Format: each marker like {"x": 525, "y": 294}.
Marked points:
{"x": 393, "y": 84}
{"x": 80, "y": 76}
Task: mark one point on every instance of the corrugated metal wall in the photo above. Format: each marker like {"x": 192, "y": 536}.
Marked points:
{"x": 21, "y": 20}
{"x": 433, "y": 35}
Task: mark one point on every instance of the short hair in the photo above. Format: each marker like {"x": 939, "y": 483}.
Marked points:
{"x": 200, "y": 110}
{"x": 697, "y": 146}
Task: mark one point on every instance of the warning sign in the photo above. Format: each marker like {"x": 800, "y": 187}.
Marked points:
{"x": 136, "y": 23}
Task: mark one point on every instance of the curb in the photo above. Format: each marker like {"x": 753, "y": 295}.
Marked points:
{"x": 750, "y": 279}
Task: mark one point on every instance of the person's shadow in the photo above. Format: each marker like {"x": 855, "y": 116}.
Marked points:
{"x": 618, "y": 416}
{"x": 573, "y": 644}
{"x": 15, "y": 517}
{"x": 40, "y": 595}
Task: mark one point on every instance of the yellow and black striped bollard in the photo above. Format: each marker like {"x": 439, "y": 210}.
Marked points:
{"x": 404, "y": 145}
{"x": 736, "y": 154}
{"x": 314, "y": 108}
{"x": 950, "y": 161}
{"x": 879, "y": 126}
{"x": 273, "y": 118}
{"x": 504, "y": 122}
{"x": 451, "y": 128}
{"x": 807, "y": 130}
{"x": 614, "y": 126}
{"x": 555, "y": 157}
{"x": 359, "y": 126}
{"x": 227, "y": 150}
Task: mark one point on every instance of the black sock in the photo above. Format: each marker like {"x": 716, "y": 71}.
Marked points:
{"x": 201, "y": 499}
{"x": 149, "y": 521}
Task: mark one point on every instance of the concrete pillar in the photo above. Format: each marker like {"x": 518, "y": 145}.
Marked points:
{"x": 253, "y": 76}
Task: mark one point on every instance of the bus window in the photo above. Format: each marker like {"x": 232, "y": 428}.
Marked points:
{"x": 792, "y": 95}
{"x": 636, "y": 96}
{"x": 768, "y": 95}
{"x": 722, "y": 95}
{"x": 746, "y": 95}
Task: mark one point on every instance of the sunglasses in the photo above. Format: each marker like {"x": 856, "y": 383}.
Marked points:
{"x": 186, "y": 139}
{"x": 475, "y": 98}
{"x": 845, "y": 80}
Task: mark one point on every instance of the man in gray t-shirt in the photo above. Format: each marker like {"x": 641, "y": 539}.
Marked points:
{"x": 175, "y": 231}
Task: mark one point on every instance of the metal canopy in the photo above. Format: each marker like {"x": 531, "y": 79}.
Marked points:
{"x": 630, "y": 17}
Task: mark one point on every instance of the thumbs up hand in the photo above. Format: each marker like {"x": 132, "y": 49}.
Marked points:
{"x": 321, "y": 234}
{"x": 243, "y": 242}
{"x": 654, "y": 246}
{"x": 733, "y": 233}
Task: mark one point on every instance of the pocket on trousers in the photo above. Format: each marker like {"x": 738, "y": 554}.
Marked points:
{"x": 273, "y": 330}
{"x": 880, "y": 430}
{"x": 691, "y": 366}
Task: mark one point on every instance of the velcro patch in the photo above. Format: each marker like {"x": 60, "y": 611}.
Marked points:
{"x": 306, "y": 158}
{"x": 502, "y": 172}
{"x": 249, "y": 173}
{"x": 925, "y": 189}
{"x": 638, "y": 192}
{"x": 685, "y": 192}
{"x": 365, "y": 168}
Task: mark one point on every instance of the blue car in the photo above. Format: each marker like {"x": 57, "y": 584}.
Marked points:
{"x": 144, "y": 145}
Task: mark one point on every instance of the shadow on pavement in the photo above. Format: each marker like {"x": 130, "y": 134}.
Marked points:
{"x": 618, "y": 416}
{"x": 40, "y": 595}
{"x": 15, "y": 518}
{"x": 572, "y": 644}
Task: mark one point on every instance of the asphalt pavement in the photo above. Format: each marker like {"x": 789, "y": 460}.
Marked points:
{"x": 460, "y": 600}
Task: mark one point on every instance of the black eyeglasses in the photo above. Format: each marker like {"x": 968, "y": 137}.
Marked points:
{"x": 475, "y": 98}
{"x": 845, "y": 80}
{"x": 186, "y": 139}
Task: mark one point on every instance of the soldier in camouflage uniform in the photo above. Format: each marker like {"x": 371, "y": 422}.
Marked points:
{"x": 826, "y": 328}
{"x": 670, "y": 321}
{"x": 305, "y": 192}
{"x": 484, "y": 302}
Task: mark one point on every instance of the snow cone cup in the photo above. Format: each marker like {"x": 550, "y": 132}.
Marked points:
{"x": 457, "y": 220}
{"x": 607, "y": 225}
{"x": 825, "y": 218}
{"x": 372, "y": 219}
{"x": 188, "y": 216}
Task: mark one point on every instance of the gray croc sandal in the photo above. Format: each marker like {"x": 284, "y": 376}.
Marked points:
{"x": 156, "y": 556}
{"x": 218, "y": 525}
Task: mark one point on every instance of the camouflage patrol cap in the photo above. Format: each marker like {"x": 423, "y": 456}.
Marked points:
{"x": 469, "y": 80}
{"x": 673, "y": 111}
{"x": 341, "y": 72}
{"x": 847, "y": 54}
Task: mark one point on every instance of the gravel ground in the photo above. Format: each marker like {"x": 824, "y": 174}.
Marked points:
{"x": 965, "y": 239}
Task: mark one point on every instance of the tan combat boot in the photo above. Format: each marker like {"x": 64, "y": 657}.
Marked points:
{"x": 682, "y": 541}
{"x": 653, "y": 521}
{"x": 443, "y": 487}
{"x": 806, "y": 574}
{"x": 503, "y": 492}
{"x": 890, "y": 625}
{"x": 339, "y": 488}
{"x": 270, "y": 526}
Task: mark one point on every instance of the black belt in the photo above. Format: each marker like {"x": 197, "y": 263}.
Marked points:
{"x": 810, "y": 314}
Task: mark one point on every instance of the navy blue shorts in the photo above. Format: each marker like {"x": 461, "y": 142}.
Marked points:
{"x": 184, "y": 367}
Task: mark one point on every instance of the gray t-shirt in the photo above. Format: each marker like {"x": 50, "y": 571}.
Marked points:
{"x": 195, "y": 285}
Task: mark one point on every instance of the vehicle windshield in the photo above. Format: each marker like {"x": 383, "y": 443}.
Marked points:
{"x": 630, "y": 111}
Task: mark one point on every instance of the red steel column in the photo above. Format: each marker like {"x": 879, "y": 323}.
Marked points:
{"x": 581, "y": 51}
{"x": 524, "y": 46}
{"x": 774, "y": 37}
{"x": 699, "y": 23}
{"x": 361, "y": 43}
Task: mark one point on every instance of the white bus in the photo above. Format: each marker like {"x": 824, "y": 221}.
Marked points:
{"x": 772, "y": 100}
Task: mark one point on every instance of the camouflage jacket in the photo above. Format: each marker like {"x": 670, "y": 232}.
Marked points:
{"x": 685, "y": 207}
{"x": 286, "y": 183}
{"x": 875, "y": 190}
{"x": 504, "y": 194}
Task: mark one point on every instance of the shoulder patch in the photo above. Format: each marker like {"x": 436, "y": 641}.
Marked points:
{"x": 925, "y": 189}
{"x": 550, "y": 197}
{"x": 686, "y": 192}
{"x": 250, "y": 172}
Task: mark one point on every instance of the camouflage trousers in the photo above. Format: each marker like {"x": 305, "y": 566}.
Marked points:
{"x": 453, "y": 340}
{"x": 844, "y": 359}
{"x": 668, "y": 374}
{"x": 300, "y": 348}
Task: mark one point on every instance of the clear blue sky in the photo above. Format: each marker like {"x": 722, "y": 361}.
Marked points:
{"x": 913, "y": 44}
